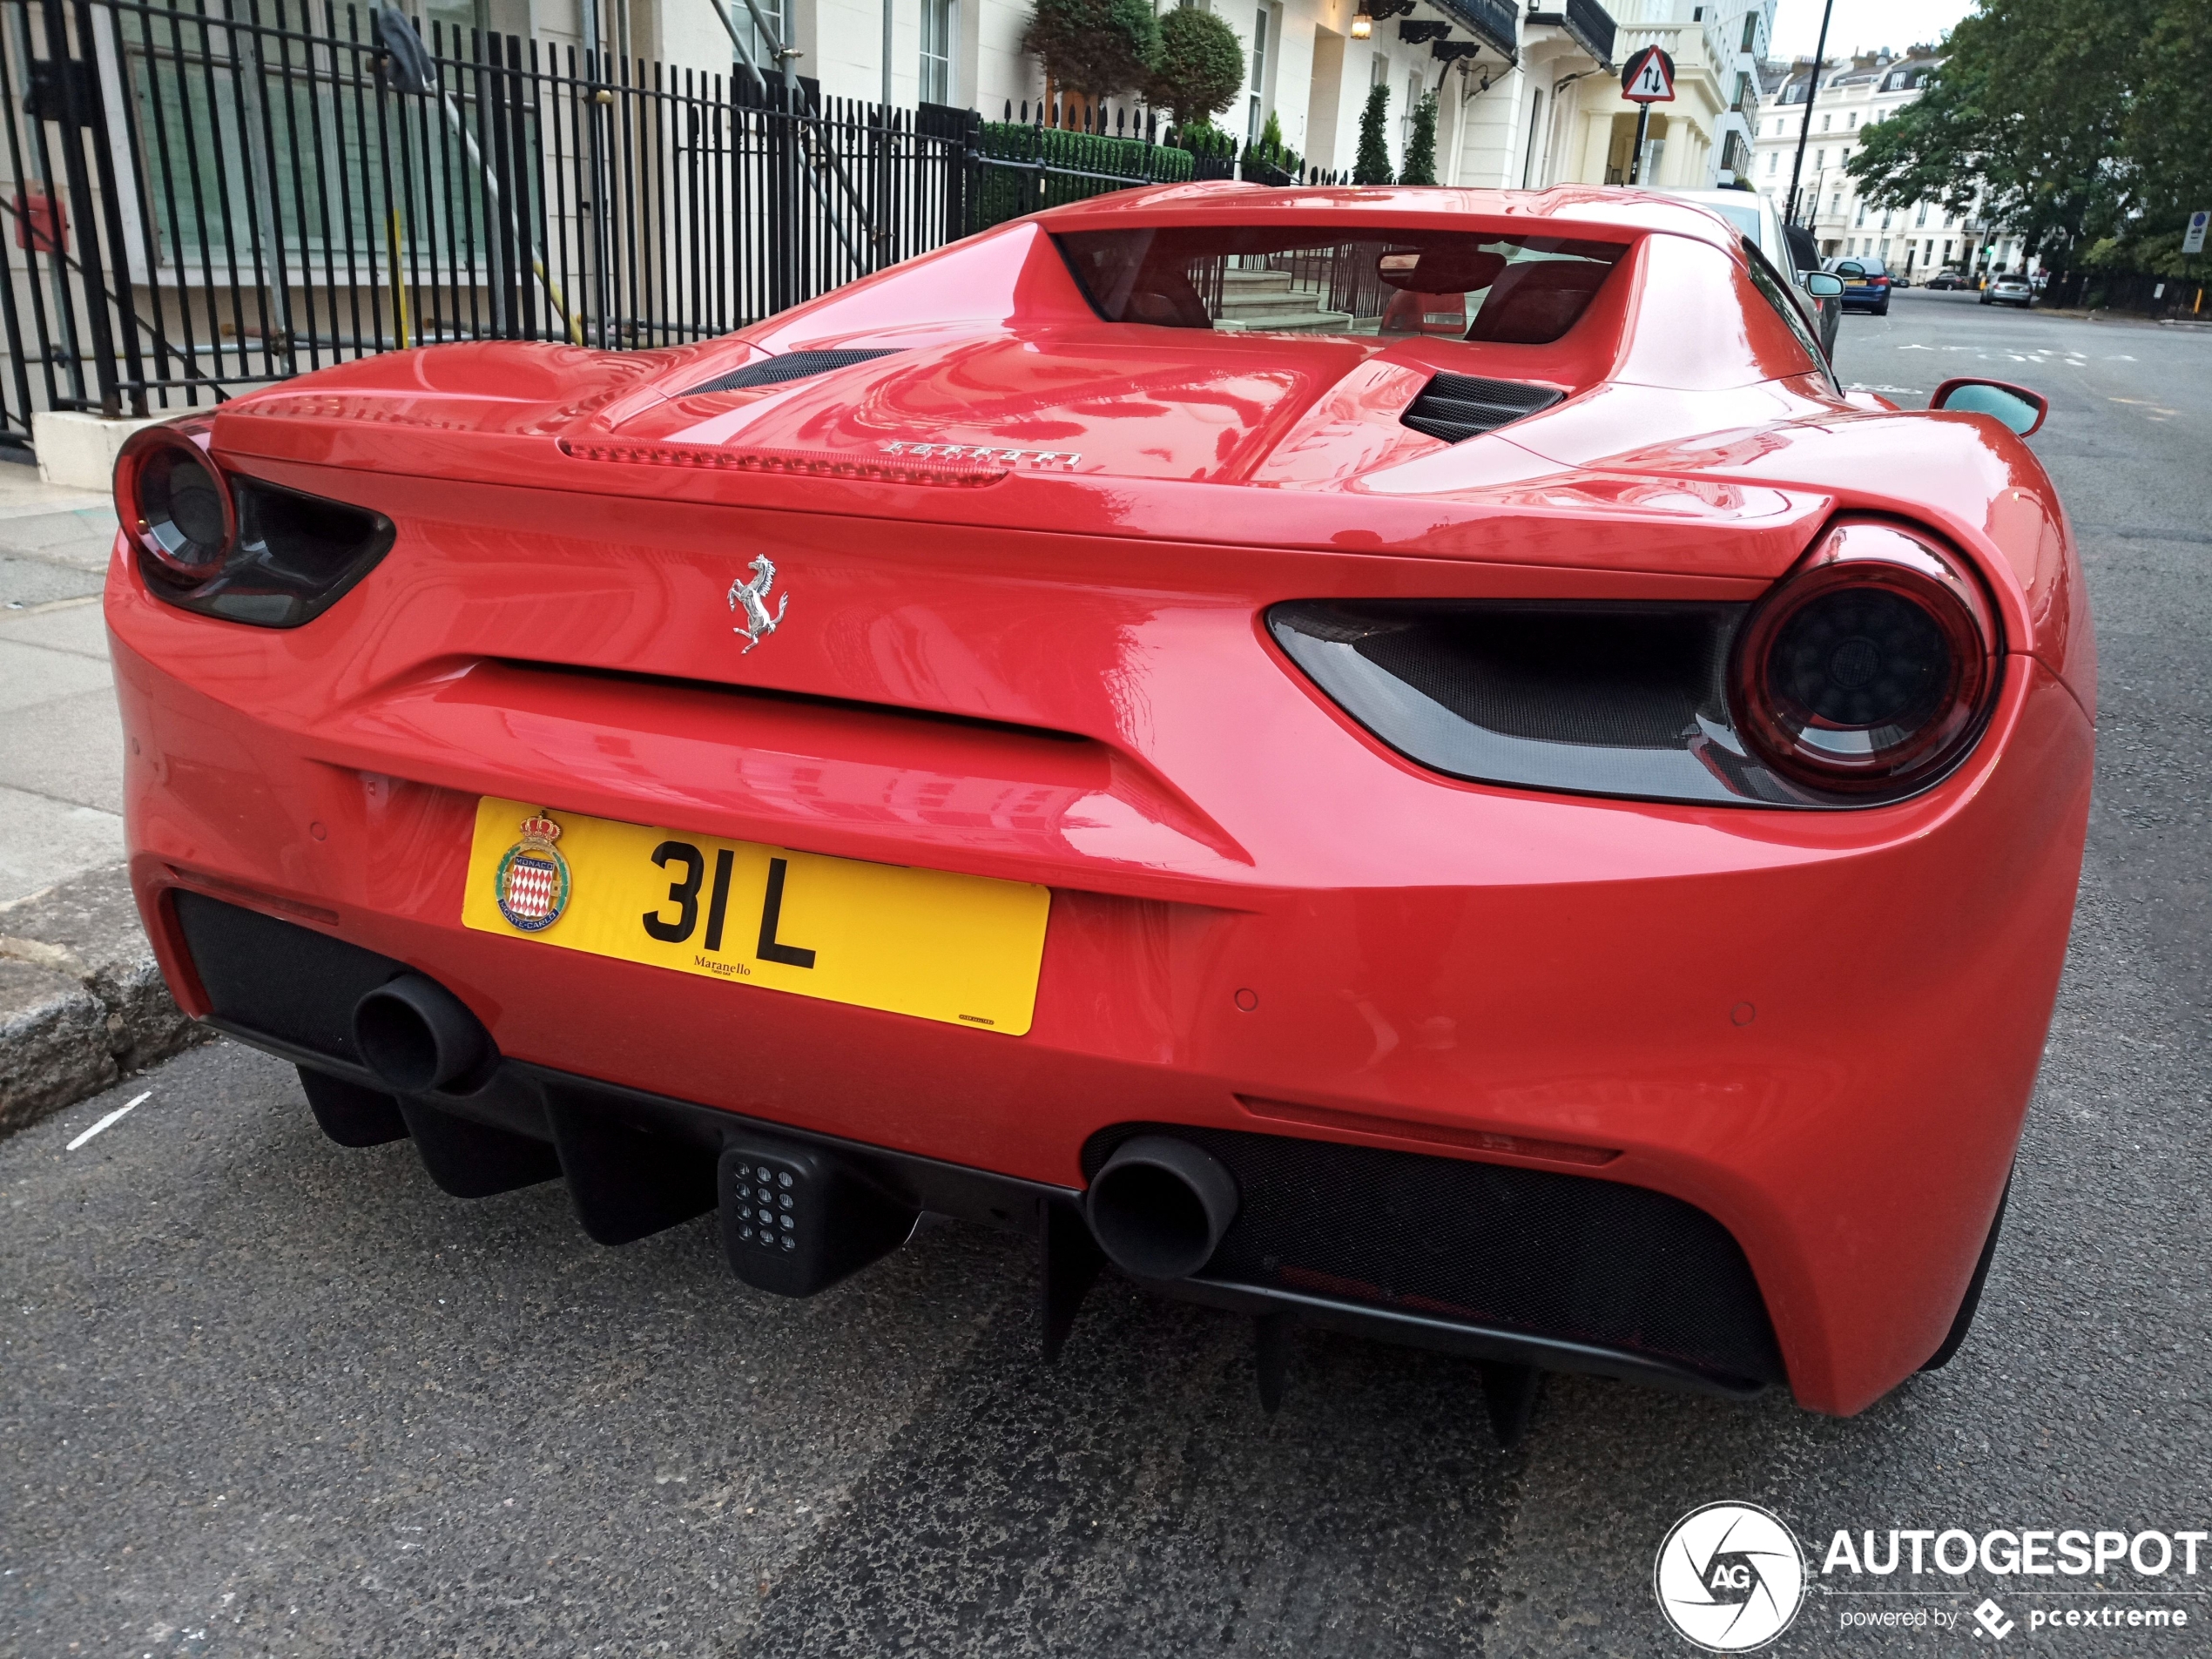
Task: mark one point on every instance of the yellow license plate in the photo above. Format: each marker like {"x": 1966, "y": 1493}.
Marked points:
{"x": 964, "y": 950}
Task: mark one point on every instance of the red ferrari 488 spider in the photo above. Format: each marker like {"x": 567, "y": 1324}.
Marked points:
{"x": 1404, "y": 760}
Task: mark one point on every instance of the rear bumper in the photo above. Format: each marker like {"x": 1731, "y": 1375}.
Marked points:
{"x": 1819, "y": 1030}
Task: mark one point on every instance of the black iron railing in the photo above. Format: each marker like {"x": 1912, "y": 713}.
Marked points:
{"x": 202, "y": 196}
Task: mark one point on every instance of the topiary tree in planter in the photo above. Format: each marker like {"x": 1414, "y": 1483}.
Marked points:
{"x": 1200, "y": 68}
{"x": 1371, "y": 165}
{"x": 1420, "y": 146}
{"x": 1097, "y": 48}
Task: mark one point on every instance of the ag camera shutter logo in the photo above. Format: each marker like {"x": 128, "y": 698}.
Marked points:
{"x": 1730, "y": 1577}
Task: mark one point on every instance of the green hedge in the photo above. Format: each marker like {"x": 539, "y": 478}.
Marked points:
{"x": 1008, "y": 192}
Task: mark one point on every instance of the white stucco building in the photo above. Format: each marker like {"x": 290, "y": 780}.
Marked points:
{"x": 1914, "y": 242}
{"x": 1525, "y": 97}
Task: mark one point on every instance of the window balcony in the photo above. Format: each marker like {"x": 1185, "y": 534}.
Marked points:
{"x": 1588, "y": 21}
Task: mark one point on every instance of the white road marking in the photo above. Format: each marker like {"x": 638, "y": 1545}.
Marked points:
{"x": 109, "y": 1121}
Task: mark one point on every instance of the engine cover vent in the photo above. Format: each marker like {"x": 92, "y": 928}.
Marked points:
{"x": 1453, "y": 406}
{"x": 792, "y": 366}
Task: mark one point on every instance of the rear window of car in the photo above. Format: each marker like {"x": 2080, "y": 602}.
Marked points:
{"x": 1515, "y": 290}
{"x": 1744, "y": 218}
{"x": 1867, "y": 263}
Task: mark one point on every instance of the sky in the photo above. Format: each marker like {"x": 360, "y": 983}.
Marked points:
{"x": 1863, "y": 25}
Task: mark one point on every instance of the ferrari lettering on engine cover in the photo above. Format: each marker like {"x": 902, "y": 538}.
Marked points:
{"x": 1065, "y": 459}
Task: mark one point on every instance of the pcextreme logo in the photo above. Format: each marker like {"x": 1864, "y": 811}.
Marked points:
{"x": 1730, "y": 1577}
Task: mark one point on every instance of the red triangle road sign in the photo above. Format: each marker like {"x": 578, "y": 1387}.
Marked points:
{"x": 1649, "y": 77}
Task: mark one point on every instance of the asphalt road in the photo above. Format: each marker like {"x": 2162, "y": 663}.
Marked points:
{"x": 265, "y": 1396}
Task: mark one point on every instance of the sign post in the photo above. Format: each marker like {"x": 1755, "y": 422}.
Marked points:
{"x": 1647, "y": 79}
{"x": 2193, "y": 244}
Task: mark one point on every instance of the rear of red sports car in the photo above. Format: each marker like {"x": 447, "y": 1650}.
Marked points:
{"x": 1515, "y": 819}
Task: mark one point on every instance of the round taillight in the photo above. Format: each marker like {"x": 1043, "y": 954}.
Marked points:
{"x": 1870, "y": 670}
{"x": 173, "y": 501}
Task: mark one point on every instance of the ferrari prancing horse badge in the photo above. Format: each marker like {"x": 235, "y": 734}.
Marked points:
{"x": 532, "y": 881}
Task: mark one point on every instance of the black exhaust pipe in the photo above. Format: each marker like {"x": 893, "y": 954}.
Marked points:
{"x": 418, "y": 1036}
{"x": 1160, "y": 1206}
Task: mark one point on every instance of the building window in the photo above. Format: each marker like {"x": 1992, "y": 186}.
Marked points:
{"x": 453, "y": 19}
{"x": 938, "y": 19}
{"x": 1750, "y": 30}
{"x": 1773, "y": 159}
{"x": 1921, "y": 223}
{"x": 1820, "y": 158}
{"x": 1854, "y": 118}
{"x": 763, "y": 54}
{"x": 1827, "y": 121}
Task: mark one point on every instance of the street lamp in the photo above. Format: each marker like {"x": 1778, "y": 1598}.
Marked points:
{"x": 1812, "y": 92}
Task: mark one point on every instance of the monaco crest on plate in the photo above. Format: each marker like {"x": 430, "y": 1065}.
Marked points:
{"x": 532, "y": 881}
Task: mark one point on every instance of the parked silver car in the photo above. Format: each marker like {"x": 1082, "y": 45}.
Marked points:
{"x": 2011, "y": 289}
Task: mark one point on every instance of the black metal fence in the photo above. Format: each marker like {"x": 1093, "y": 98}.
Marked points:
{"x": 205, "y": 200}
{"x": 207, "y": 195}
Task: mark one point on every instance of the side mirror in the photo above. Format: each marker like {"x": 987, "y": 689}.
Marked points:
{"x": 2018, "y": 408}
{"x": 1849, "y": 268}
{"x": 1824, "y": 284}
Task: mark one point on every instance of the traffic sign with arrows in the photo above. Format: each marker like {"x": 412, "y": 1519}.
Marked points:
{"x": 1649, "y": 77}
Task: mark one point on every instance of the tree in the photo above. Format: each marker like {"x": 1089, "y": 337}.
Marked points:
{"x": 2168, "y": 130}
{"x": 2074, "y": 122}
{"x": 1420, "y": 147}
{"x": 1271, "y": 155}
{"x": 1096, "y": 48}
{"x": 1199, "y": 68}
{"x": 1371, "y": 165}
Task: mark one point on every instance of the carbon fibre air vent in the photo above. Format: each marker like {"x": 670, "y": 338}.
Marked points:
{"x": 1453, "y": 406}
{"x": 792, "y": 366}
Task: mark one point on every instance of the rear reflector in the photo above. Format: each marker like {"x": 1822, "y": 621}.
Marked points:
{"x": 1519, "y": 1146}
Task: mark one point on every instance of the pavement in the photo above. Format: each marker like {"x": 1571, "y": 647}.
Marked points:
{"x": 60, "y": 746}
{"x": 81, "y": 1002}
{"x": 269, "y": 1396}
